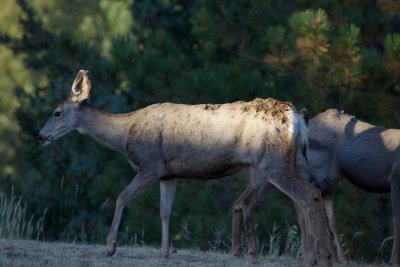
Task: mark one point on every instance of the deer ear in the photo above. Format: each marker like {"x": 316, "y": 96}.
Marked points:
{"x": 305, "y": 114}
{"x": 81, "y": 87}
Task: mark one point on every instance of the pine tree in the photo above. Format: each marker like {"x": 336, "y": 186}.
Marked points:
{"x": 318, "y": 54}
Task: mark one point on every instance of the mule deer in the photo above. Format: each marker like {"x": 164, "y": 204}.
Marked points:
{"x": 167, "y": 141}
{"x": 368, "y": 156}
{"x": 321, "y": 169}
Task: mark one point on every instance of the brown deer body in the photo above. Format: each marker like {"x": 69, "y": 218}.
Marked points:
{"x": 167, "y": 141}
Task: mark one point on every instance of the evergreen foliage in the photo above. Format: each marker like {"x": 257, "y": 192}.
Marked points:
{"x": 316, "y": 54}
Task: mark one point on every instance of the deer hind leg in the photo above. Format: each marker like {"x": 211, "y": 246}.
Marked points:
{"x": 167, "y": 193}
{"x": 140, "y": 183}
{"x": 237, "y": 219}
{"x": 330, "y": 214}
{"x": 250, "y": 231}
{"x": 331, "y": 232}
{"x": 395, "y": 198}
{"x": 243, "y": 209}
{"x": 302, "y": 225}
{"x": 254, "y": 198}
{"x": 308, "y": 198}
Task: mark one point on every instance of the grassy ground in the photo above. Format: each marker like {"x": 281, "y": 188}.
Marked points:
{"x": 33, "y": 253}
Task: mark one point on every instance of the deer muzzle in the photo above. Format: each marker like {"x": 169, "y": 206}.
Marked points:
{"x": 43, "y": 140}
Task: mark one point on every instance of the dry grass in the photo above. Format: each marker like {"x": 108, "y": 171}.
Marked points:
{"x": 15, "y": 222}
{"x": 34, "y": 253}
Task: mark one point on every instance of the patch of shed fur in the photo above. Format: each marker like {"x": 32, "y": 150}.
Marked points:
{"x": 211, "y": 107}
{"x": 269, "y": 107}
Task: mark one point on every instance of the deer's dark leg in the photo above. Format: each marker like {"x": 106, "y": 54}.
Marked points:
{"x": 330, "y": 214}
{"x": 308, "y": 198}
{"x": 244, "y": 206}
{"x": 140, "y": 183}
{"x": 395, "y": 198}
{"x": 253, "y": 200}
{"x": 237, "y": 219}
{"x": 302, "y": 225}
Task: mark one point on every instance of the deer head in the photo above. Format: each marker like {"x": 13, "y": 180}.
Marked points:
{"x": 65, "y": 116}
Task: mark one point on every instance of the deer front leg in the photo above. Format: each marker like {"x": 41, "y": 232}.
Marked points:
{"x": 140, "y": 183}
{"x": 167, "y": 193}
{"x": 330, "y": 214}
{"x": 395, "y": 198}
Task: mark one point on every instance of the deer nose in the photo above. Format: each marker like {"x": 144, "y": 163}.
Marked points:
{"x": 40, "y": 139}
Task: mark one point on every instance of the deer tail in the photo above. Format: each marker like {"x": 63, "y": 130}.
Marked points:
{"x": 299, "y": 137}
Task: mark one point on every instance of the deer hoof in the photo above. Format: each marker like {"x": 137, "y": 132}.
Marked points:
{"x": 238, "y": 255}
{"x": 164, "y": 254}
{"x": 393, "y": 263}
{"x": 343, "y": 260}
{"x": 111, "y": 248}
{"x": 254, "y": 256}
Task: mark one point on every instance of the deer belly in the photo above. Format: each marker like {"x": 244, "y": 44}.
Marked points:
{"x": 367, "y": 174}
{"x": 197, "y": 170}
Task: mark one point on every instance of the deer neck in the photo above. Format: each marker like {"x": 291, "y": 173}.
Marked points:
{"x": 106, "y": 128}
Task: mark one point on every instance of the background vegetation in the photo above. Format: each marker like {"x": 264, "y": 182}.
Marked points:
{"x": 317, "y": 54}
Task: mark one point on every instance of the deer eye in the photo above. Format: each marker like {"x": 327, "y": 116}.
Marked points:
{"x": 57, "y": 114}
